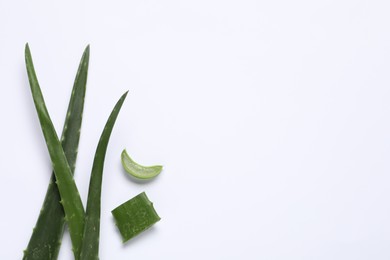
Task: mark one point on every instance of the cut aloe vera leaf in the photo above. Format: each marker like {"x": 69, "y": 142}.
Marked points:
{"x": 70, "y": 197}
{"x": 45, "y": 241}
{"x": 135, "y": 216}
{"x": 138, "y": 171}
{"x": 90, "y": 244}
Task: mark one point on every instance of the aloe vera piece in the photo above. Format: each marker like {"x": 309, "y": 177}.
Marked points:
{"x": 90, "y": 244}
{"x": 135, "y": 216}
{"x": 70, "y": 198}
{"x": 46, "y": 238}
{"x": 138, "y": 171}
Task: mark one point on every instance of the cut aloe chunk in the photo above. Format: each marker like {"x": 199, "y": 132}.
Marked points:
{"x": 135, "y": 216}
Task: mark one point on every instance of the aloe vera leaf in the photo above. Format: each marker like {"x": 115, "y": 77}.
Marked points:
{"x": 135, "y": 216}
{"x": 45, "y": 241}
{"x": 90, "y": 244}
{"x": 138, "y": 171}
{"x": 70, "y": 197}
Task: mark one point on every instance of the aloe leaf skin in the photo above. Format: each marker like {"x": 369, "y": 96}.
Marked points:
{"x": 135, "y": 216}
{"x": 90, "y": 244}
{"x": 138, "y": 171}
{"x": 70, "y": 198}
{"x": 45, "y": 241}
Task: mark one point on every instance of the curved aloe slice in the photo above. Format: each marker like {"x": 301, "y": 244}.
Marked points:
{"x": 46, "y": 238}
{"x": 90, "y": 244}
{"x": 137, "y": 170}
{"x": 70, "y": 198}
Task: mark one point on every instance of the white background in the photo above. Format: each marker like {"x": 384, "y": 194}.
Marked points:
{"x": 271, "y": 119}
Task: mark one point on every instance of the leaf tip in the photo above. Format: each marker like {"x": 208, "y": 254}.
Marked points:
{"x": 86, "y": 51}
{"x": 27, "y": 49}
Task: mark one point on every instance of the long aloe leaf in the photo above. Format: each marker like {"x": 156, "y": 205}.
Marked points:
{"x": 70, "y": 198}
{"x": 90, "y": 244}
{"x": 45, "y": 241}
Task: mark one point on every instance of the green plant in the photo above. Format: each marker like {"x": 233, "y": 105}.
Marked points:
{"x": 90, "y": 244}
{"x": 46, "y": 238}
{"x": 70, "y": 198}
{"x": 84, "y": 227}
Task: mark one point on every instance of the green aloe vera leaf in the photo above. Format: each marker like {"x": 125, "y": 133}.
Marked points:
{"x": 70, "y": 197}
{"x": 46, "y": 238}
{"x": 90, "y": 244}
{"x": 135, "y": 216}
{"x": 138, "y": 171}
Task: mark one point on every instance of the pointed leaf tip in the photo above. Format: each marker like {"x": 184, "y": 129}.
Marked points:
{"x": 86, "y": 51}
{"x": 27, "y": 49}
{"x": 124, "y": 95}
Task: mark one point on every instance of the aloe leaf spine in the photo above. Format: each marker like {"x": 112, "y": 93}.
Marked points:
{"x": 70, "y": 198}
{"x": 90, "y": 244}
{"x": 45, "y": 241}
